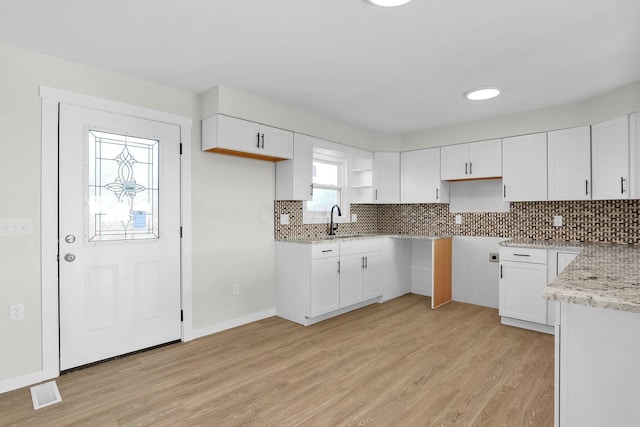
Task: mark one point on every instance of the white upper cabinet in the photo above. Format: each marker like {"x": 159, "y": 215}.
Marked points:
{"x": 229, "y": 135}
{"x": 610, "y": 159}
{"x": 569, "y": 164}
{"x": 386, "y": 177}
{"x": 475, "y": 160}
{"x": 420, "y": 177}
{"x": 524, "y": 167}
{"x": 294, "y": 177}
{"x": 634, "y": 127}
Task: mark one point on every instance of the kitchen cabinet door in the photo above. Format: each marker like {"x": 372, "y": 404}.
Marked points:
{"x": 569, "y": 163}
{"x": 454, "y": 162}
{"x": 485, "y": 159}
{"x": 224, "y": 132}
{"x": 386, "y": 175}
{"x": 521, "y": 286}
{"x": 524, "y": 168}
{"x": 634, "y": 151}
{"x": 373, "y": 272}
{"x": 420, "y": 177}
{"x": 325, "y": 286}
{"x": 276, "y": 142}
{"x": 351, "y": 270}
{"x": 294, "y": 177}
{"x": 610, "y": 159}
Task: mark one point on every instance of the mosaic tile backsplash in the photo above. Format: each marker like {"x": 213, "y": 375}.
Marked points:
{"x": 615, "y": 221}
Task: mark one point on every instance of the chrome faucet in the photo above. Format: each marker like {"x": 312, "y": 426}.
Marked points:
{"x": 334, "y": 227}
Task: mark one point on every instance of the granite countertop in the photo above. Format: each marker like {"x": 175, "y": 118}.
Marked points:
{"x": 602, "y": 275}
{"x": 350, "y": 237}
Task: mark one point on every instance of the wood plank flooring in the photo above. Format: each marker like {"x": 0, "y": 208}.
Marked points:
{"x": 393, "y": 364}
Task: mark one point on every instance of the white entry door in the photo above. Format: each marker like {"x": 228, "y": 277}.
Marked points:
{"x": 119, "y": 234}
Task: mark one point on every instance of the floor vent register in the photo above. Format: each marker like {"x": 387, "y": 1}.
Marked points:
{"x": 45, "y": 394}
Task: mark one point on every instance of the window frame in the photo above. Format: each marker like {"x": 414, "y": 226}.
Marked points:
{"x": 324, "y": 217}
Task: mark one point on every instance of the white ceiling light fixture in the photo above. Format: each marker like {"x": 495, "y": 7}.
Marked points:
{"x": 482, "y": 93}
{"x": 388, "y": 3}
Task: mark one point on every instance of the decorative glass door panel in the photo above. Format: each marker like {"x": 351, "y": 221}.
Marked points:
{"x": 123, "y": 187}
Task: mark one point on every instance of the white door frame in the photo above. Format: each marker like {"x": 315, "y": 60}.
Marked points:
{"x": 51, "y": 98}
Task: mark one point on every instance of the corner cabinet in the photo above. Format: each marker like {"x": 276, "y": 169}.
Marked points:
{"x": 524, "y": 168}
{"x": 318, "y": 281}
{"x": 474, "y": 160}
{"x": 294, "y": 177}
{"x": 420, "y": 177}
{"x": 610, "y": 159}
{"x": 229, "y": 135}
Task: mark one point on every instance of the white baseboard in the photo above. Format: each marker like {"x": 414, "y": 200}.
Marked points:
{"x": 22, "y": 381}
{"x": 551, "y": 330}
{"x": 223, "y": 326}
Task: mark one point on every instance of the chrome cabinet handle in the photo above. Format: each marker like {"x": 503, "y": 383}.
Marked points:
{"x": 362, "y": 263}
{"x": 338, "y": 267}
{"x": 311, "y": 194}
{"x": 470, "y": 168}
{"x": 258, "y": 136}
{"x": 327, "y": 250}
{"x": 504, "y": 191}
{"x": 376, "y": 194}
{"x": 586, "y": 187}
{"x": 465, "y": 167}
{"x": 622, "y": 180}
{"x": 521, "y": 255}
{"x": 501, "y": 271}
{"x": 366, "y": 262}
{"x": 263, "y": 140}
{"x": 437, "y": 193}
{"x": 69, "y": 257}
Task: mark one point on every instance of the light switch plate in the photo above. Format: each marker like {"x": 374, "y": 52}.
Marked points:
{"x": 284, "y": 219}
{"x": 354, "y": 217}
{"x": 458, "y": 219}
{"x": 15, "y": 227}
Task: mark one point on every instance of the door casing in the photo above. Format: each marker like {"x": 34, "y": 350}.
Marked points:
{"x": 51, "y": 98}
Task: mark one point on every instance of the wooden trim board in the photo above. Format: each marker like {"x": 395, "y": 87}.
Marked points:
{"x": 441, "y": 287}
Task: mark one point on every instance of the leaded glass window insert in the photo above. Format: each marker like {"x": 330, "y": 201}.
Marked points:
{"x": 123, "y": 187}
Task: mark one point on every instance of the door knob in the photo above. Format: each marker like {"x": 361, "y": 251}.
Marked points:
{"x": 70, "y": 238}
{"x": 69, "y": 257}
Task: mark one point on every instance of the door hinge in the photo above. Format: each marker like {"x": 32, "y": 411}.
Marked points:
{"x": 182, "y": 315}
{"x": 181, "y": 148}
{"x": 181, "y": 232}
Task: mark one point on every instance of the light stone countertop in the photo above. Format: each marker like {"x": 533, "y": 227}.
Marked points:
{"x": 364, "y": 236}
{"x": 602, "y": 275}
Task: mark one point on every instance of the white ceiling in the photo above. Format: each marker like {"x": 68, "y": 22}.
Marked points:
{"x": 386, "y": 69}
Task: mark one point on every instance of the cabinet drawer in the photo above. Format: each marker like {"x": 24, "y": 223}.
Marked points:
{"x": 537, "y": 256}
{"x": 325, "y": 250}
{"x": 360, "y": 246}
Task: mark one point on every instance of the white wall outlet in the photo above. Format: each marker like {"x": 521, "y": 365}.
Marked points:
{"x": 557, "y": 221}
{"x": 16, "y": 312}
{"x": 354, "y": 217}
{"x": 236, "y": 289}
{"x": 284, "y": 219}
{"x": 458, "y": 219}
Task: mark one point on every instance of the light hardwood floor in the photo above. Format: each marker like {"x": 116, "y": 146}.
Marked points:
{"x": 393, "y": 364}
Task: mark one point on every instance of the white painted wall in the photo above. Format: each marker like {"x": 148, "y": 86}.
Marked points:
{"x": 475, "y": 279}
{"x": 618, "y": 102}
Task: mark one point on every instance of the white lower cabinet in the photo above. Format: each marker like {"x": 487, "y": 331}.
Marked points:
{"x": 318, "y": 281}
{"x": 524, "y": 273}
{"x": 523, "y": 277}
{"x": 325, "y": 286}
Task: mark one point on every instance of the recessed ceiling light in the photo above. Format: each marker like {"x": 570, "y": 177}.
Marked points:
{"x": 482, "y": 93}
{"x": 388, "y": 3}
